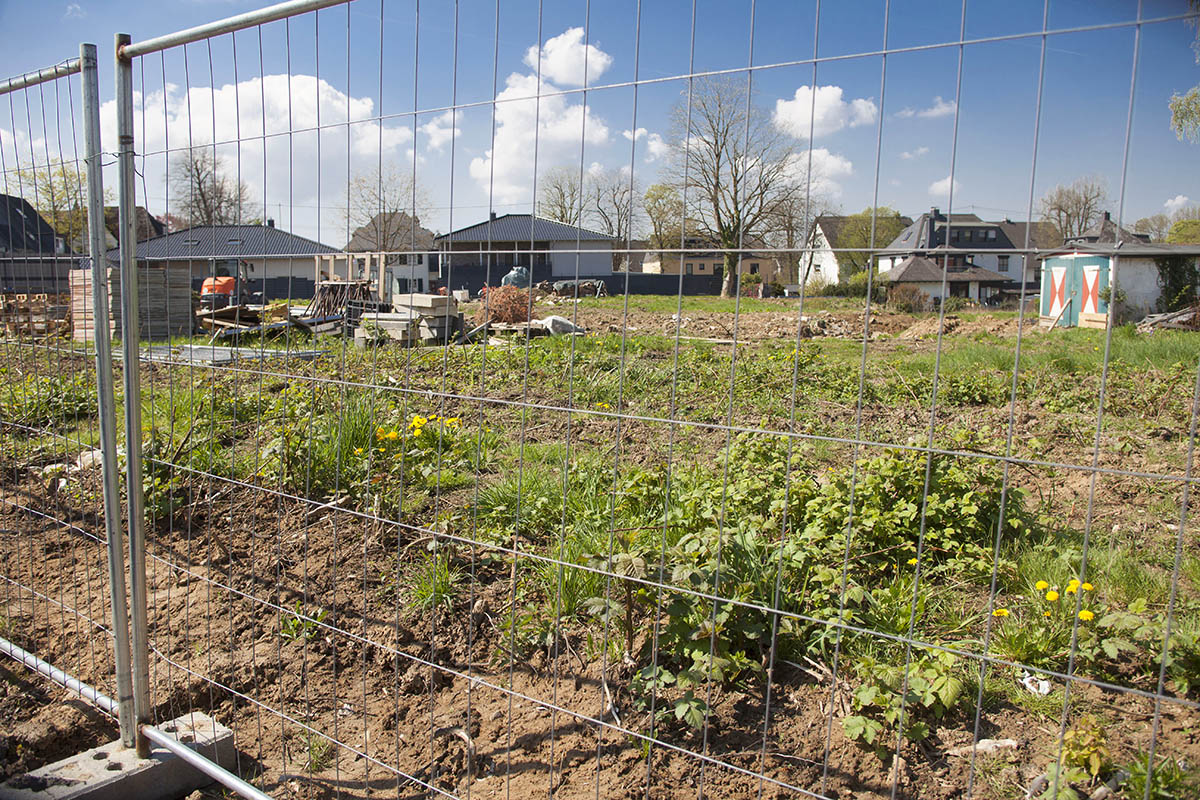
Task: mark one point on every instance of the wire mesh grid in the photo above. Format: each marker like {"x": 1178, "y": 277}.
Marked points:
{"x": 56, "y": 585}
{"x": 818, "y": 546}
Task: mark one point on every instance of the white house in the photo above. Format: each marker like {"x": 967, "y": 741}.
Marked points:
{"x": 924, "y": 272}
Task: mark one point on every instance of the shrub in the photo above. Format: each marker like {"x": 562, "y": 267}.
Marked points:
{"x": 908, "y": 298}
{"x": 504, "y": 304}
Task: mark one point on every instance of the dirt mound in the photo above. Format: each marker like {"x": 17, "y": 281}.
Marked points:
{"x": 928, "y": 327}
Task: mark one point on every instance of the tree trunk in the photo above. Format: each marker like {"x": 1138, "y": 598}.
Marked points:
{"x": 729, "y": 279}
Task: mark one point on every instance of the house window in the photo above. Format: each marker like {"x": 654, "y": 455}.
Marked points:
{"x": 967, "y": 235}
{"x": 687, "y": 268}
{"x": 991, "y": 235}
{"x": 1003, "y": 263}
{"x": 754, "y": 268}
{"x": 954, "y": 235}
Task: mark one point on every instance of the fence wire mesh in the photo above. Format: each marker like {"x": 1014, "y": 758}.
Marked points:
{"x": 851, "y": 541}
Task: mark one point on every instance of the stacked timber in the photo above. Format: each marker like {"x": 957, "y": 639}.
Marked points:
{"x": 164, "y": 301}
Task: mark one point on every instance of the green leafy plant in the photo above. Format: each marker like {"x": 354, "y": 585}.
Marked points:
{"x": 890, "y": 696}
{"x": 1168, "y": 781}
{"x": 1084, "y": 760}
{"x": 434, "y": 582}
{"x": 300, "y": 624}
{"x": 319, "y": 752}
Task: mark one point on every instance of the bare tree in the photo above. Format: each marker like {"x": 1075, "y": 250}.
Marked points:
{"x": 1075, "y": 208}
{"x": 733, "y": 163}
{"x": 58, "y": 191}
{"x": 611, "y": 206}
{"x": 382, "y": 209}
{"x": 791, "y": 225}
{"x": 663, "y": 208}
{"x": 204, "y": 193}
{"x": 560, "y": 196}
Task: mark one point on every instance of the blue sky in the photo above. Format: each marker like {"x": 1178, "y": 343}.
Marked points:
{"x": 336, "y": 63}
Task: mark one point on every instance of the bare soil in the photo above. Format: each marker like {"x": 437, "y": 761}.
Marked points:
{"x": 420, "y": 701}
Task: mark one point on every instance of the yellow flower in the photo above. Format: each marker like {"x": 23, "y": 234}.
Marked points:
{"x": 358, "y": 451}
{"x": 393, "y": 435}
{"x": 452, "y": 422}
{"x": 1051, "y": 595}
{"x": 1087, "y": 587}
{"x": 1073, "y": 582}
{"x": 1086, "y": 615}
{"x": 603, "y": 405}
{"x": 1041, "y": 586}
{"x": 1000, "y": 612}
{"x": 912, "y": 561}
{"x": 380, "y": 433}
{"x": 1071, "y": 589}
{"x": 1045, "y": 613}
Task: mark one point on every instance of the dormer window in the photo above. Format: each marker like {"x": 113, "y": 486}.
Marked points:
{"x": 234, "y": 240}
{"x": 191, "y": 242}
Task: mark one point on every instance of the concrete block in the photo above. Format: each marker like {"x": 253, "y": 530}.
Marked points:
{"x": 113, "y": 772}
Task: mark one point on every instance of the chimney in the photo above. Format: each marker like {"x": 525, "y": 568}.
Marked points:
{"x": 1107, "y": 217}
{"x": 270, "y": 222}
{"x": 931, "y": 233}
{"x": 492, "y": 216}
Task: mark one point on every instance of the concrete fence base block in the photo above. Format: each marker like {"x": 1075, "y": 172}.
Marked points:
{"x": 113, "y": 772}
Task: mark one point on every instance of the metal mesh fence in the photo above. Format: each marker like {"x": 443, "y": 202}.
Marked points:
{"x": 857, "y": 540}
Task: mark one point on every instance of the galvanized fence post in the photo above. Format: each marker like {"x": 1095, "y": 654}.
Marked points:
{"x": 104, "y": 389}
{"x": 133, "y": 390}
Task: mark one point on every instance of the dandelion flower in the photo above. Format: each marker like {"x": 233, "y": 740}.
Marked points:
{"x": 1000, "y": 612}
{"x": 1051, "y": 595}
{"x": 912, "y": 561}
{"x": 358, "y": 451}
{"x": 1087, "y": 587}
{"x": 1041, "y": 586}
{"x": 1086, "y": 616}
{"x": 1045, "y": 613}
{"x": 393, "y": 435}
{"x": 1071, "y": 589}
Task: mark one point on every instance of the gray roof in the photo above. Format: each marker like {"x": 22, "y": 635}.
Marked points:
{"x": 1137, "y": 249}
{"x": 228, "y": 241}
{"x": 22, "y": 228}
{"x": 1042, "y": 235}
{"x": 523, "y": 228}
{"x": 919, "y": 269}
{"x": 1107, "y": 231}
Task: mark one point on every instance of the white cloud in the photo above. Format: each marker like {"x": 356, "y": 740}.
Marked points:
{"x": 826, "y": 168}
{"x": 825, "y": 114}
{"x": 441, "y": 129}
{"x": 1177, "y": 202}
{"x": 640, "y": 133}
{"x": 74, "y": 11}
{"x": 557, "y": 127}
{"x": 942, "y": 188}
{"x": 292, "y": 165}
{"x": 940, "y": 108}
{"x": 911, "y": 154}
{"x": 564, "y": 58}
{"x": 656, "y": 147}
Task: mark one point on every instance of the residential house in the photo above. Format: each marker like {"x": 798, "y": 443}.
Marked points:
{"x": 276, "y": 262}
{"x": 33, "y": 257}
{"x": 406, "y": 250}
{"x": 970, "y": 241}
{"x": 824, "y": 262}
{"x": 925, "y": 272}
{"x": 700, "y": 256}
{"x": 547, "y": 248}
{"x": 1076, "y": 278}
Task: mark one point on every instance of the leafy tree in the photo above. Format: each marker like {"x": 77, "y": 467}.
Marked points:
{"x": 1156, "y": 225}
{"x": 1185, "y": 108}
{"x": 1075, "y": 208}
{"x": 855, "y": 237}
{"x": 732, "y": 162}
{"x": 58, "y": 191}
{"x": 204, "y": 193}
{"x": 1185, "y": 231}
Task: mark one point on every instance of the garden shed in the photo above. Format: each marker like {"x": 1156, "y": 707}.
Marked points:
{"x": 1075, "y": 287}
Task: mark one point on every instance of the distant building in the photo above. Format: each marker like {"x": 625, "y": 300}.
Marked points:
{"x": 549, "y": 249}
{"x": 1076, "y": 279}
{"x": 825, "y": 263}
{"x": 276, "y": 262}
{"x": 33, "y": 257}
{"x": 965, "y": 240}
{"x": 966, "y": 281}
